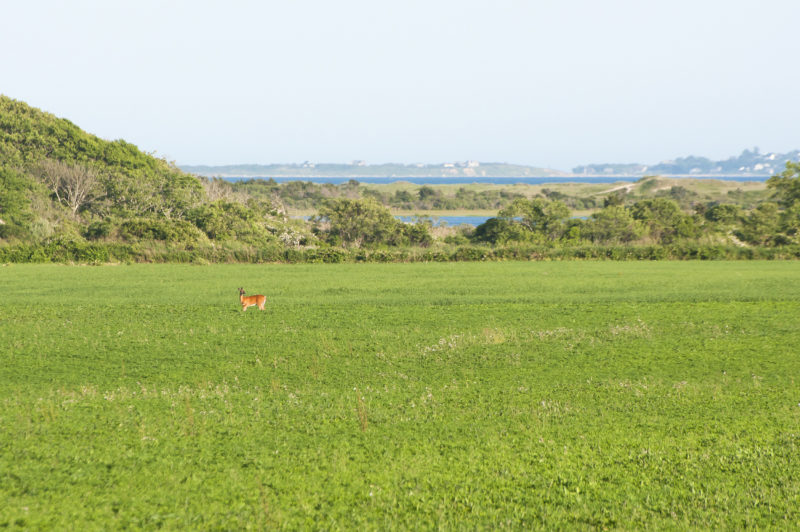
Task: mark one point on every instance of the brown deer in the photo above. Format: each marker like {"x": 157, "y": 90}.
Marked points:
{"x": 250, "y": 301}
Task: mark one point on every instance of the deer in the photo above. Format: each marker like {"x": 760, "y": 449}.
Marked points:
{"x": 250, "y": 301}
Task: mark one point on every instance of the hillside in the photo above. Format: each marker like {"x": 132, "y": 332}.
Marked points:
{"x": 60, "y": 182}
{"x": 128, "y": 180}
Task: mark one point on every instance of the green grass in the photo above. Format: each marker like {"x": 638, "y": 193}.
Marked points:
{"x": 457, "y": 396}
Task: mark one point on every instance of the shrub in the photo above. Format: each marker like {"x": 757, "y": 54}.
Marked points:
{"x": 225, "y": 221}
{"x": 501, "y": 231}
{"x": 160, "y": 229}
{"x": 471, "y": 254}
{"x": 611, "y": 225}
{"x": 99, "y": 229}
{"x": 365, "y": 222}
{"x": 326, "y": 255}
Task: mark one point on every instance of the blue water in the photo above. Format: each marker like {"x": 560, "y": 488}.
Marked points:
{"x": 485, "y": 180}
{"x": 448, "y": 220}
{"x": 438, "y": 220}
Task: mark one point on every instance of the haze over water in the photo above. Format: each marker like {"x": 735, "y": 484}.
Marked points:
{"x": 487, "y": 180}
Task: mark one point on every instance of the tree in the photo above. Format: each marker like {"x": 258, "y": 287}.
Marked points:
{"x": 364, "y": 222}
{"x": 616, "y": 198}
{"x": 613, "y": 224}
{"x": 501, "y": 231}
{"x": 787, "y": 185}
{"x": 541, "y": 217}
{"x": 787, "y": 193}
{"x": 427, "y": 193}
{"x": 223, "y": 220}
{"x": 761, "y": 225}
{"x": 664, "y": 219}
{"x": 723, "y": 213}
{"x": 73, "y": 185}
{"x": 790, "y": 225}
{"x": 402, "y": 196}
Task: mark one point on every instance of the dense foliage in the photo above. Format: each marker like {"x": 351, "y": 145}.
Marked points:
{"x": 59, "y": 183}
{"x": 60, "y": 186}
{"x": 656, "y": 220}
{"x": 366, "y": 222}
{"x": 305, "y": 195}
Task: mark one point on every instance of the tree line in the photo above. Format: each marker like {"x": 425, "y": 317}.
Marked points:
{"x": 65, "y": 193}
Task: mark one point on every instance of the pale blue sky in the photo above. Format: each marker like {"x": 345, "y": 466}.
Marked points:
{"x": 547, "y": 83}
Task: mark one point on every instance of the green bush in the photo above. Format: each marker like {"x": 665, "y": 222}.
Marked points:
{"x": 158, "y": 229}
{"x": 434, "y": 256}
{"x": 326, "y": 255}
{"x": 367, "y": 223}
{"x": 385, "y": 255}
{"x": 471, "y": 254}
{"x": 15, "y": 209}
{"x": 99, "y": 229}
{"x": 501, "y": 231}
{"x": 67, "y": 251}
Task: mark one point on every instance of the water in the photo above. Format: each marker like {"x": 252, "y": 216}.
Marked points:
{"x": 448, "y": 220}
{"x": 488, "y": 180}
{"x": 455, "y": 220}
{"x": 437, "y": 220}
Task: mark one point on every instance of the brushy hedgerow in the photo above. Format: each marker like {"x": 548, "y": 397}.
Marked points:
{"x": 80, "y": 251}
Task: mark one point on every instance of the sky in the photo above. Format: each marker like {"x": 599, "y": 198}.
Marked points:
{"x": 550, "y": 83}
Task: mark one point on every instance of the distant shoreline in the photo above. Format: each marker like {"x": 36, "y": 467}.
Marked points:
{"x": 499, "y": 180}
{"x": 749, "y": 164}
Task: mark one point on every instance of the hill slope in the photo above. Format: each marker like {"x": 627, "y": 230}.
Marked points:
{"x": 61, "y": 184}
{"x": 129, "y": 181}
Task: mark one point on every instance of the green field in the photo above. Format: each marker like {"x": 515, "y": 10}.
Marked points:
{"x": 456, "y": 396}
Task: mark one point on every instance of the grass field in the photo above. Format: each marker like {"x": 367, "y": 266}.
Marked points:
{"x": 455, "y": 396}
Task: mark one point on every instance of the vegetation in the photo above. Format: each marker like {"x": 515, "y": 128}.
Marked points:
{"x": 365, "y": 222}
{"x": 472, "y": 396}
{"x": 61, "y": 184}
{"x": 66, "y": 195}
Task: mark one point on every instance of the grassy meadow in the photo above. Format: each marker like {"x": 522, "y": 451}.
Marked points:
{"x": 393, "y": 396}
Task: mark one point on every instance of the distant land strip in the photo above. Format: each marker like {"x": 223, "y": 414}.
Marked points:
{"x": 358, "y": 169}
{"x": 750, "y": 163}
